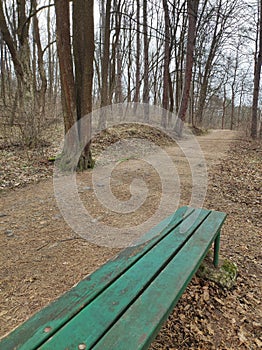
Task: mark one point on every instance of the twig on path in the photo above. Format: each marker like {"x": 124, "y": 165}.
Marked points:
{"x": 60, "y": 241}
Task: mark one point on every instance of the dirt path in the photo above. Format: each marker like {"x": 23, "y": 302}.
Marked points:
{"x": 42, "y": 257}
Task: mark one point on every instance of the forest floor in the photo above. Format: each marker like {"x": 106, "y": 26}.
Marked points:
{"x": 42, "y": 257}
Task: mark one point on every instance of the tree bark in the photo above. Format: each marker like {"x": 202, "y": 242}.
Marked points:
{"x": 41, "y": 68}
{"x": 138, "y": 49}
{"x": 83, "y": 47}
{"x": 165, "y": 102}
{"x": 115, "y": 62}
{"x": 65, "y": 63}
{"x": 179, "y": 56}
{"x": 3, "y": 75}
{"x": 7, "y": 37}
{"x": 105, "y": 65}
{"x": 146, "y": 63}
{"x": 257, "y": 72}
{"x": 50, "y": 57}
{"x": 192, "y": 9}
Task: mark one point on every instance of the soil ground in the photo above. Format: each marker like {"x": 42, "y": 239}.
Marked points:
{"x": 42, "y": 257}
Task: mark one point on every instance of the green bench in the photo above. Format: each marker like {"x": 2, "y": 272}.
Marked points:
{"x": 123, "y": 304}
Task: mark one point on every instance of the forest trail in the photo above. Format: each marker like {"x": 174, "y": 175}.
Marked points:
{"x": 42, "y": 257}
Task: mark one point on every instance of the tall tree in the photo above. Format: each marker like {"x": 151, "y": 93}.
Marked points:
{"x": 192, "y": 10}
{"x": 146, "y": 62}
{"x": 83, "y": 48}
{"x": 77, "y": 88}
{"x": 105, "y": 65}
{"x": 115, "y": 82}
{"x": 7, "y": 37}
{"x": 2, "y": 66}
{"x": 180, "y": 23}
{"x": 41, "y": 93}
{"x": 257, "y": 72}
{"x": 167, "y": 52}
{"x": 65, "y": 63}
{"x": 138, "y": 49}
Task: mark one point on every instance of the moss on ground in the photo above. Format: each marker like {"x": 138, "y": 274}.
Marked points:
{"x": 225, "y": 275}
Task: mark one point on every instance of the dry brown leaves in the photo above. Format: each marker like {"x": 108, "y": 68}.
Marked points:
{"x": 21, "y": 165}
{"x": 206, "y": 316}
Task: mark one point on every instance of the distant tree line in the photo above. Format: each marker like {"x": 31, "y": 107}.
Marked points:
{"x": 198, "y": 59}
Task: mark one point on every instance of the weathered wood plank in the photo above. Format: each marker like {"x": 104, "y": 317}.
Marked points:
{"x": 92, "y": 322}
{"x": 141, "y": 323}
{"x": 31, "y": 334}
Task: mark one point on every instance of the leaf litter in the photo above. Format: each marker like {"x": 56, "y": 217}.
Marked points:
{"x": 43, "y": 258}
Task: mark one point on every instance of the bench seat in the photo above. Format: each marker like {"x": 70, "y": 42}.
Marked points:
{"x": 123, "y": 304}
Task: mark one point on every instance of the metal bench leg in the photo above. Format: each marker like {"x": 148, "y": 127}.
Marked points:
{"x": 216, "y": 250}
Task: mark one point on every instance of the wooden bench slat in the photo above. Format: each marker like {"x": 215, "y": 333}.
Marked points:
{"x": 31, "y": 334}
{"x": 91, "y": 323}
{"x": 139, "y": 325}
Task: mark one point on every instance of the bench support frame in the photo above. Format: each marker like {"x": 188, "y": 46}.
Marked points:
{"x": 216, "y": 250}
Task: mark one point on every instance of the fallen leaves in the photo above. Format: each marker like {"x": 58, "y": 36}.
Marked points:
{"x": 220, "y": 319}
{"x": 20, "y": 167}
{"x": 207, "y": 317}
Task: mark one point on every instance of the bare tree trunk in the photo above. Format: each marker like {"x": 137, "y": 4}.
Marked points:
{"x": 155, "y": 73}
{"x": 146, "y": 63}
{"x": 257, "y": 72}
{"x": 115, "y": 62}
{"x": 171, "y": 97}
{"x": 233, "y": 88}
{"x": 40, "y": 55}
{"x": 138, "y": 53}
{"x": 34, "y": 68}
{"x": 50, "y": 57}
{"x": 224, "y": 108}
{"x": 24, "y": 54}
{"x": 105, "y": 65}
{"x": 192, "y": 100}
{"x": 129, "y": 63}
{"x": 83, "y": 46}
{"x": 179, "y": 57}
{"x": 232, "y": 116}
{"x": 65, "y": 63}
{"x": 119, "y": 87}
{"x": 192, "y": 8}
{"x": 3, "y": 78}
{"x": 10, "y": 43}
{"x": 165, "y": 103}
{"x": 240, "y": 103}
